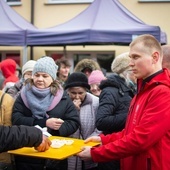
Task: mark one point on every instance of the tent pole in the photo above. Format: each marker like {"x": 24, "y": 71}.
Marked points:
{"x": 24, "y": 58}
{"x": 31, "y": 53}
{"x": 64, "y": 51}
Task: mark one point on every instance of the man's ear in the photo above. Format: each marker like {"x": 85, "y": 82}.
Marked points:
{"x": 155, "y": 57}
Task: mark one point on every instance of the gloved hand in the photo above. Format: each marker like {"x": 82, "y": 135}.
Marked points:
{"x": 45, "y": 144}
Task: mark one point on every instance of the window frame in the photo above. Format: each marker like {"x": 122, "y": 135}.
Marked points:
{"x": 14, "y": 3}
{"x": 69, "y": 1}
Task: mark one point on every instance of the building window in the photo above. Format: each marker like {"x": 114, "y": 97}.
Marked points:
{"x": 13, "y": 2}
{"x": 56, "y": 56}
{"x": 154, "y": 0}
{"x": 78, "y": 57}
{"x": 104, "y": 58}
{"x": 69, "y": 1}
{"x": 105, "y": 61}
{"x": 13, "y": 55}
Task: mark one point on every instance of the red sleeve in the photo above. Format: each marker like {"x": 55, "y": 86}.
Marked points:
{"x": 111, "y": 137}
{"x": 153, "y": 126}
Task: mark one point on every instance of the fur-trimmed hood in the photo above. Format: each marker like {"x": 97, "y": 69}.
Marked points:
{"x": 86, "y": 63}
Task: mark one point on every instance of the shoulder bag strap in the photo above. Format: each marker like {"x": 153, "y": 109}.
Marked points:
{"x": 1, "y": 109}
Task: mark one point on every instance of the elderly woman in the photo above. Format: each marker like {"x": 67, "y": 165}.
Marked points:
{"x": 86, "y": 105}
{"x": 43, "y": 102}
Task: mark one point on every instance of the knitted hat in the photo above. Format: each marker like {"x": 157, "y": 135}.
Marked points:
{"x": 96, "y": 77}
{"x": 77, "y": 79}
{"x": 121, "y": 63}
{"x": 46, "y": 65}
{"x": 28, "y": 66}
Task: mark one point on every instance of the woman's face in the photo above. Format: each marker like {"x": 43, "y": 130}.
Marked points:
{"x": 27, "y": 75}
{"x": 42, "y": 80}
{"x": 94, "y": 88}
{"x": 77, "y": 93}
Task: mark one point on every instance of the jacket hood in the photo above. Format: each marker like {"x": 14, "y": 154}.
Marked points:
{"x": 114, "y": 81}
{"x": 8, "y": 67}
{"x": 86, "y": 63}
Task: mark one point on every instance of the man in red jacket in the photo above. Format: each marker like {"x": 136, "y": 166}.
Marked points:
{"x": 144, "y": 144}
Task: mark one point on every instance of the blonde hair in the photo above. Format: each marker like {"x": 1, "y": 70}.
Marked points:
{"x": 149, "y": 42}
{"x": 121, "y": 63}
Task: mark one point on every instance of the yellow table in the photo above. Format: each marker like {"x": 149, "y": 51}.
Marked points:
{"x": 59, "y": 154}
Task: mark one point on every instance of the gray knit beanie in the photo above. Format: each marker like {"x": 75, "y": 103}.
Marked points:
{"x": 46, "y": 65}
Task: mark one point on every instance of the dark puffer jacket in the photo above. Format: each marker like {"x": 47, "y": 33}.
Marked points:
{"x": 19, "y": 136}
{"x": 114, "y": 103}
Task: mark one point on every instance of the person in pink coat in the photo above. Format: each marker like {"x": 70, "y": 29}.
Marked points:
{"x": 144, "y": 143}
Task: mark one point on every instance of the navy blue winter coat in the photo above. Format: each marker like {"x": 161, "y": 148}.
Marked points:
{"x": 114, "y": 102}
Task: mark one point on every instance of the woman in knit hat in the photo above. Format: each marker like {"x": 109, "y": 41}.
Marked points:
{"x": 114, "y": 103}
{"x": 43, "y": 102}
{"x": 94, "y": 80}
{"x": 26, "y": 73}
{"x": 86, "y": 104}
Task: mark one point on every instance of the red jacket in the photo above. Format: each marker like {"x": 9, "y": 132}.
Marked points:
{"x": 144, "y": 144}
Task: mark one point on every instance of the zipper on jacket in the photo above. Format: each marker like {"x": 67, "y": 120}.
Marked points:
{"x": 130, "y": 115}
{"x": 148, "y": 163}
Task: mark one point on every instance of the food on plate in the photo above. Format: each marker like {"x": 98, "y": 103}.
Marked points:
{"x": 69, "y": 142}
{"x": 58, "y": 143}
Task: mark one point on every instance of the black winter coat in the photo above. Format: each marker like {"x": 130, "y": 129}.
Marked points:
{"x": 65, "y": 110}
{"x": 19, "y": 136}
{"x": 114, "y": 102}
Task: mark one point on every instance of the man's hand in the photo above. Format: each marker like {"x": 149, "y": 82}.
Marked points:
{"x": 85, "y": 153}
{"x": 45, "y": 144}
{"x": 93, "y": 139}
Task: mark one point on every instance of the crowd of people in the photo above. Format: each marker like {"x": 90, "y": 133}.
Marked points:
{"x": 127, "y": 111}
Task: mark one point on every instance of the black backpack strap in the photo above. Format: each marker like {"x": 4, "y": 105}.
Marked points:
{"x": 1, "y": 100}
